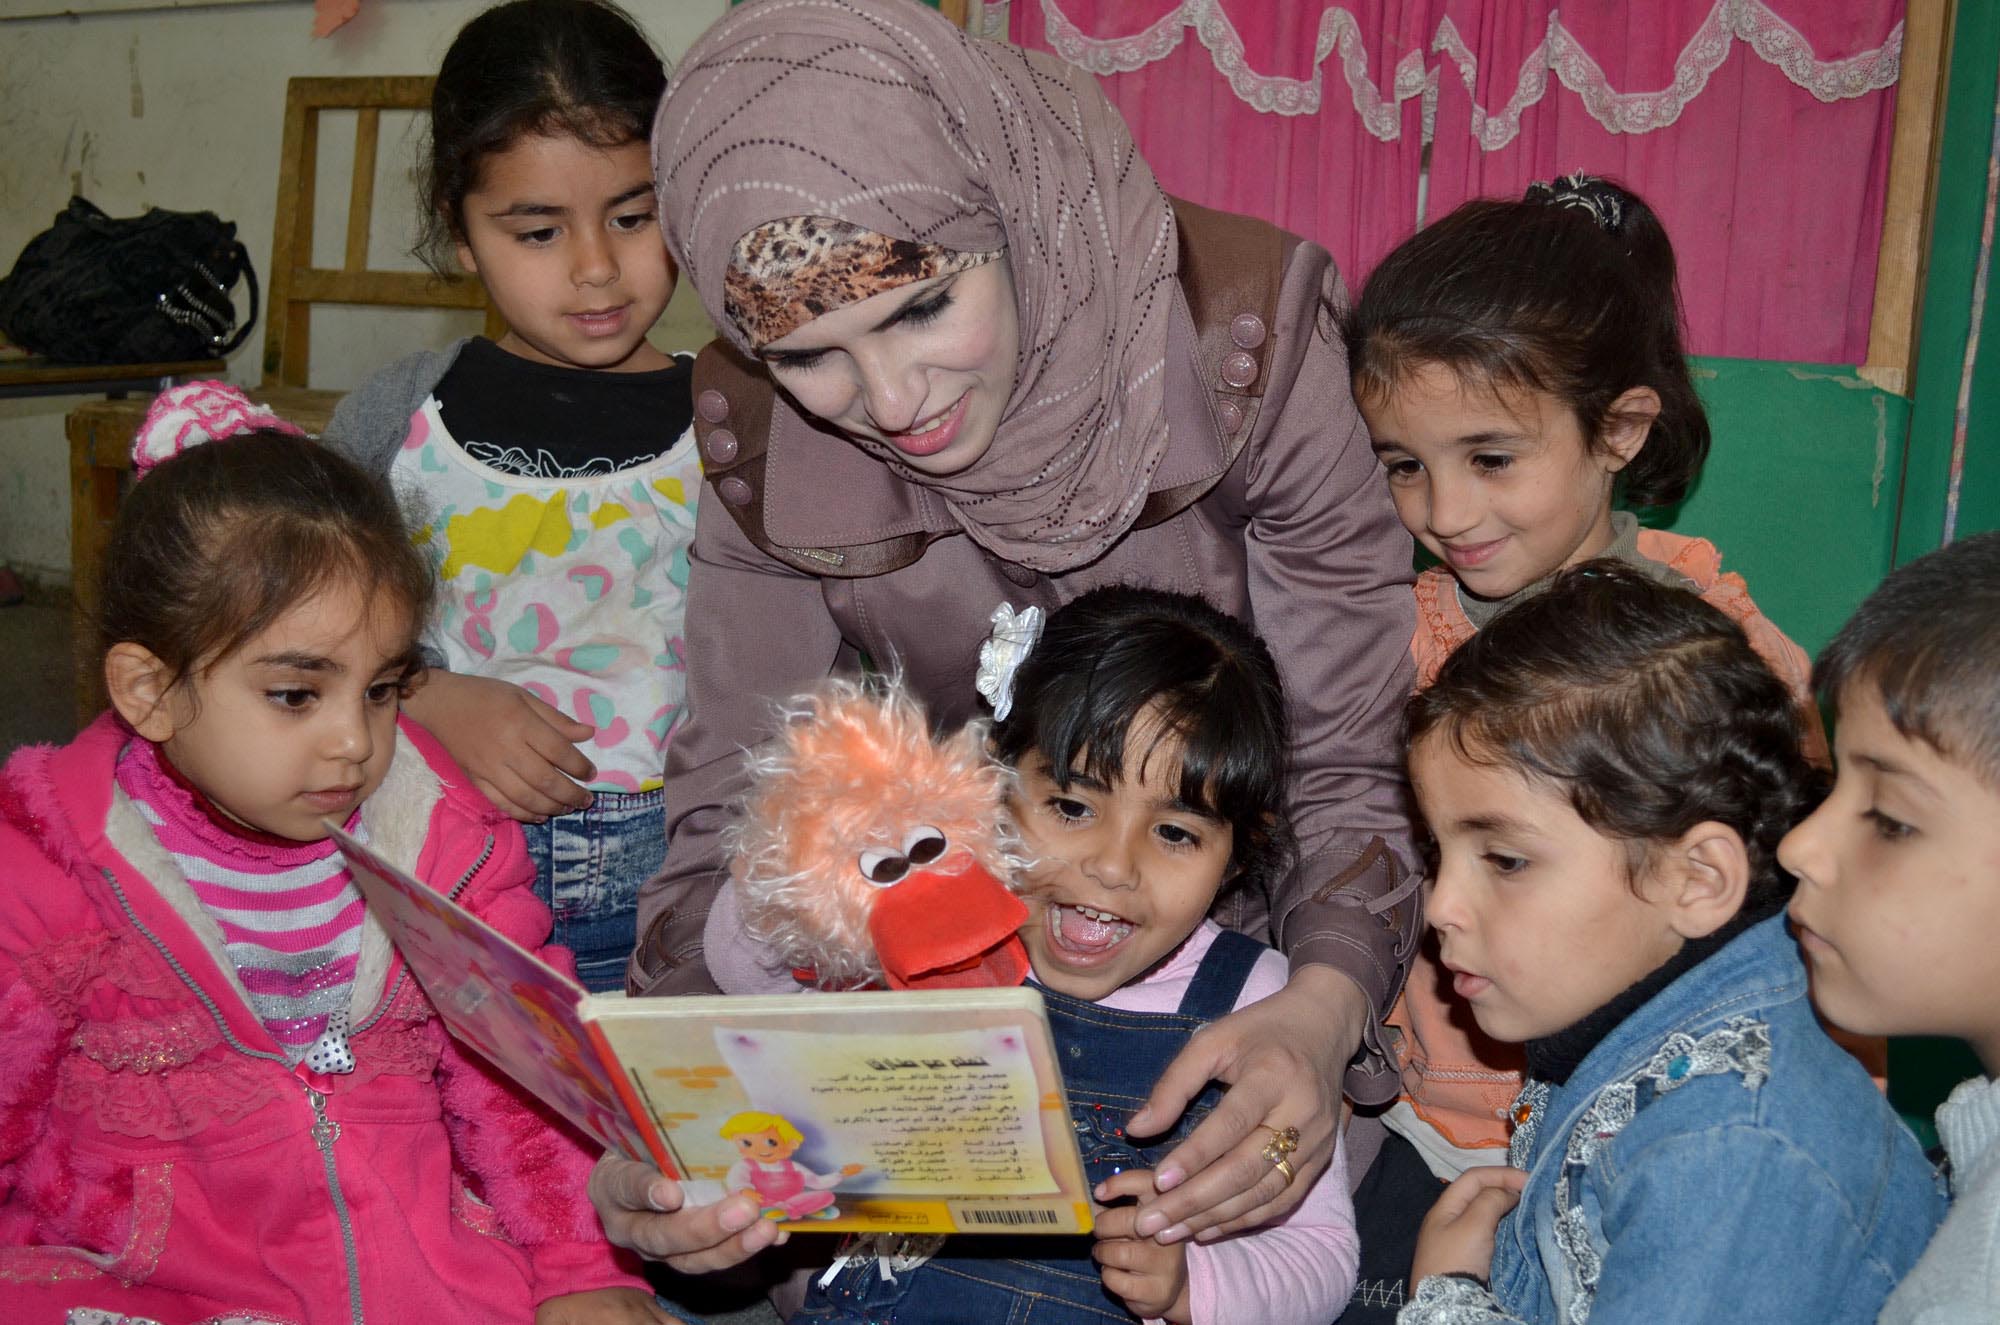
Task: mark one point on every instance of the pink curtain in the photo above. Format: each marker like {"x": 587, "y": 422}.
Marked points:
{"x": 1285, "y": 109}
{"x": 1770, "y": 176}
{"x": 1760, "y": 129}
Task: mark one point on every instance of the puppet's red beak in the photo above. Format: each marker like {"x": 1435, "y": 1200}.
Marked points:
{"x": 950, "y": 928}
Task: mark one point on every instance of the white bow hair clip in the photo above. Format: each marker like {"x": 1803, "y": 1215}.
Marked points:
{"x": 1014, "y": 635}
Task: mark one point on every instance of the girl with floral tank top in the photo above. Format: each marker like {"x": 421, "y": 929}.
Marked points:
{"x": 551, "y": 474}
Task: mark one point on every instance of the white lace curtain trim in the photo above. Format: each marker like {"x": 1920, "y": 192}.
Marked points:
{"x": 1730, "y": 21}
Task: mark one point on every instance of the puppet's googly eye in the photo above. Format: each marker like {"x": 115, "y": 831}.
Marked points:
{"x": 883, "y": 867}
{"x": 923, "y": 844}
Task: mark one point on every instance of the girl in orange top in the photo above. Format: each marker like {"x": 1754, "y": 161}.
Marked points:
{"x": 1520, "y": 366}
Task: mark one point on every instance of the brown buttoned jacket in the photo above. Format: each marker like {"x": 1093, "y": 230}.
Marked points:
{"x": 809, "y": 556}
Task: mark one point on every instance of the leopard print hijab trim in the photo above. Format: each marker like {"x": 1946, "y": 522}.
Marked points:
{"x": 785, "y": 273}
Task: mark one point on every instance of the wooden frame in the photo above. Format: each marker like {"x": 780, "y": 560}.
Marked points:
{"x": 296, "y": 284}
{"x": 1903, "y": 259}
{"x": 101, "y": 433}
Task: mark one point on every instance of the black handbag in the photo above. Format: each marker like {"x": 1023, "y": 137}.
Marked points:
{"x": 139, "y": 289}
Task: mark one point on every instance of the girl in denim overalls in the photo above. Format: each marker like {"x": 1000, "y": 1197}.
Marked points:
{"x": 1149, "y": 733}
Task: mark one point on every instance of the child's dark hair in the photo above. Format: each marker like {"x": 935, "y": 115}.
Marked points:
{"x": 1643, "y": 706}
{"x": 1113, "y": 655}
{"x": 1570, "y": 292}
{"x": 217, "y": 543}
{"x": 1928, "y": 642}
{"x": 562, "y": 68}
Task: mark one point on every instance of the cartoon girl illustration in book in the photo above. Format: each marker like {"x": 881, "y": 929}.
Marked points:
{"x": 786, "y": 1188}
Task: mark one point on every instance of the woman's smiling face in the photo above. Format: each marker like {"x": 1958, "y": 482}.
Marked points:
{"x": 924, "y": 370}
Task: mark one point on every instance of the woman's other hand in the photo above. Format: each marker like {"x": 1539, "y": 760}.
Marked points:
{"x": 1282, "y": 1058}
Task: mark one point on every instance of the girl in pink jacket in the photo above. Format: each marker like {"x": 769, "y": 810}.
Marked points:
{"x": 221, "y": 1095}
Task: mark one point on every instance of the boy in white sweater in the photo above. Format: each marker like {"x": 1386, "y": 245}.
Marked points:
{"x": 1898, "y": 899}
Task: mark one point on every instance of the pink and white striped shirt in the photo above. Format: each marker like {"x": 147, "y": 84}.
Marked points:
{"x": 289, "y": 912}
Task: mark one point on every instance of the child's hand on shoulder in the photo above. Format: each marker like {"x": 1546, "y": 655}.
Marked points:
{"x": 1458, "y": 1233}
{"x": 516, "y": 749}
{"x": 1150, "y": 1279}
{"x": 604, "y": 1306}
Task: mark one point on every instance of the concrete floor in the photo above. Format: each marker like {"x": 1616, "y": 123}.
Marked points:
{"x": 36, "y": 663}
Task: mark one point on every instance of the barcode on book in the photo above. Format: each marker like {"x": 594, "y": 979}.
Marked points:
{"x": 1007, "y": 1217}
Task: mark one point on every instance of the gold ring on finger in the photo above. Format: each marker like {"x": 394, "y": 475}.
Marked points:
{"x": 1284, "y": 1140}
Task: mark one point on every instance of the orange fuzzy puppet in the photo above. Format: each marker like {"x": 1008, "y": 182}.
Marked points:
{"x": 870, "y": 852}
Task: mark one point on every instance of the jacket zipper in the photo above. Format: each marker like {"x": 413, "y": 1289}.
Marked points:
{"x": 324, "y": 1130}
{"x": 221, "y": 1022}
{"x": 324, "y": 1133}
{"x": 389, "y": 994}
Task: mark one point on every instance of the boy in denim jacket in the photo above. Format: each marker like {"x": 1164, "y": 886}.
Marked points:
{"x": 1607, "y": 770}
{"x": 1898, "y": 901}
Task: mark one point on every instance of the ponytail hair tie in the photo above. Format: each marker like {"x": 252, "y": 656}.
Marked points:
{"x": 197, "y": 412}
{"x": 1588, "y": 192}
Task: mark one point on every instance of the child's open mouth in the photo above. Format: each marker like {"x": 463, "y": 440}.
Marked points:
{"x": 1085, "y": 931}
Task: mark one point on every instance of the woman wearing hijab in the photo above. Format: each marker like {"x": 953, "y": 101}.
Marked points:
{"x": 975, "y": 356}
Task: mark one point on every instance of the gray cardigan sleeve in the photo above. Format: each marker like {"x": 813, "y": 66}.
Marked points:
{"x": 373, "y": 420}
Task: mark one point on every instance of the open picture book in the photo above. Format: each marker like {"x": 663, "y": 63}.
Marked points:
{"x": 931, "y": 1112}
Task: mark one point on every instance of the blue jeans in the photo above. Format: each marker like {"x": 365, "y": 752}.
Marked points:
{"x": 589, "y": 864}
{"x": 1110, "y": 1060}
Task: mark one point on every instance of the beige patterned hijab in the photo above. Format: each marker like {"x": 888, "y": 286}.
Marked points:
{"x": 881, "y": 114}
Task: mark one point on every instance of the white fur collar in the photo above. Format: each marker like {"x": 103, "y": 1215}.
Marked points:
{"x": 397, "y": 819}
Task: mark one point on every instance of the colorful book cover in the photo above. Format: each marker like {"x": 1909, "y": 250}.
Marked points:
{"x": 933, "y": 1112}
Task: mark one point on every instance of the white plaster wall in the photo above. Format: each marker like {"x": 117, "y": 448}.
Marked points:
{"x": 184, "y": 108}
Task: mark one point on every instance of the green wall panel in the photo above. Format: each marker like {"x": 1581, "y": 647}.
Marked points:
{"x": 1799, "y": 492}
{"x": 1947, "y": 312}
